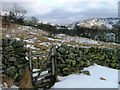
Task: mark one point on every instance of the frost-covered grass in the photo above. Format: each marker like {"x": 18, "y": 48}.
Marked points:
{"x": 33, "y": 35}
{"x": 100, "y": 77}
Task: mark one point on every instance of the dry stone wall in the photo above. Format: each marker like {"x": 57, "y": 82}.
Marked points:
{"x": 75, "y": 59}
{"x": 13, "y": 58}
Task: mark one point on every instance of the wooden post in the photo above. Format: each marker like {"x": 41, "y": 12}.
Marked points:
{"x": 30, "y": 63}
{"x": 55, "y": 63}
{"x": 30, "y": 58}
{"x": 38, "y": 62}
{"x": 53, "y": 58}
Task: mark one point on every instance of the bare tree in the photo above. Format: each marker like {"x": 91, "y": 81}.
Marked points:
{"x": 18, "y": 13}
{"x": 33, "y": 20}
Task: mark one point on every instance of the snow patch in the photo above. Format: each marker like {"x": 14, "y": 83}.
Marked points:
{"x": 7, "y": 36}
{"x": 18, "y": 39}
{"x": 92, "y": 81}
{"x": 45, "y": 43}
{"x": 42, "y": 73}
{"x": 30, "y": 46}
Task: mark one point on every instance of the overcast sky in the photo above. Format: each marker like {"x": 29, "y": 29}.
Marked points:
{"x": 66, "y": 11}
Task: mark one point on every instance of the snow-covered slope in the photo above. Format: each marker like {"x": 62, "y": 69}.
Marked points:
{"x": 100, "y": 77}
{"x": 98, "y": 23}
{"x": 4, "y": 13}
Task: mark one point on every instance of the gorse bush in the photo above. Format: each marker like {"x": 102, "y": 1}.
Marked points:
{"x": 74, "y": 59}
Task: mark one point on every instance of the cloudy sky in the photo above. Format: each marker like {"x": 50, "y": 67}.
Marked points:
{"x": 66, "y": 11}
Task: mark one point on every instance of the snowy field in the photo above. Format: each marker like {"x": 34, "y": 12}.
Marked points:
{"x": 100, "y": 77}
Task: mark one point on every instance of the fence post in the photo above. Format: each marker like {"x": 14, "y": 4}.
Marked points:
{"x": 30, "y": 58}
{"x": 53, "y": 58}
{"x": 38, "y": 62}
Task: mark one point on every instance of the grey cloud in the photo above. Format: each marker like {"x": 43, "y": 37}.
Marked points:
{"x": 101, "y": 12}
{"x": 62, "y": 16}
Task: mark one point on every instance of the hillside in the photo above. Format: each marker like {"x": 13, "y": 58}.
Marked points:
{"x": 37, "y": 36}
{"x": 102, "y": 29}
{"x": 101, "y": 23}
{"x": 41, "y": 41}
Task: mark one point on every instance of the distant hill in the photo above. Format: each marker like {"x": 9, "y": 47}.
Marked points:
{"x": 102, "y": 29}
{"x": 99, "y": 23}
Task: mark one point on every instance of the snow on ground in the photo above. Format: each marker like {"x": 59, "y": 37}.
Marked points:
{"x": 80, "y": 40}
{"x": 4, "y": 86}
{"x": 92, "y": 81}
{"x": 109, "y": 75}
{"x": 30, "y": 46}
{"x": 29, "y": 41}
{"x": 17, "y": 39}
{"x": 66, "y": 38}
{"x": 45, "y": 44}
{"x": 42, "y": 73}
{"x": 7, "y": 35}
{"x": 37, "y": 70}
